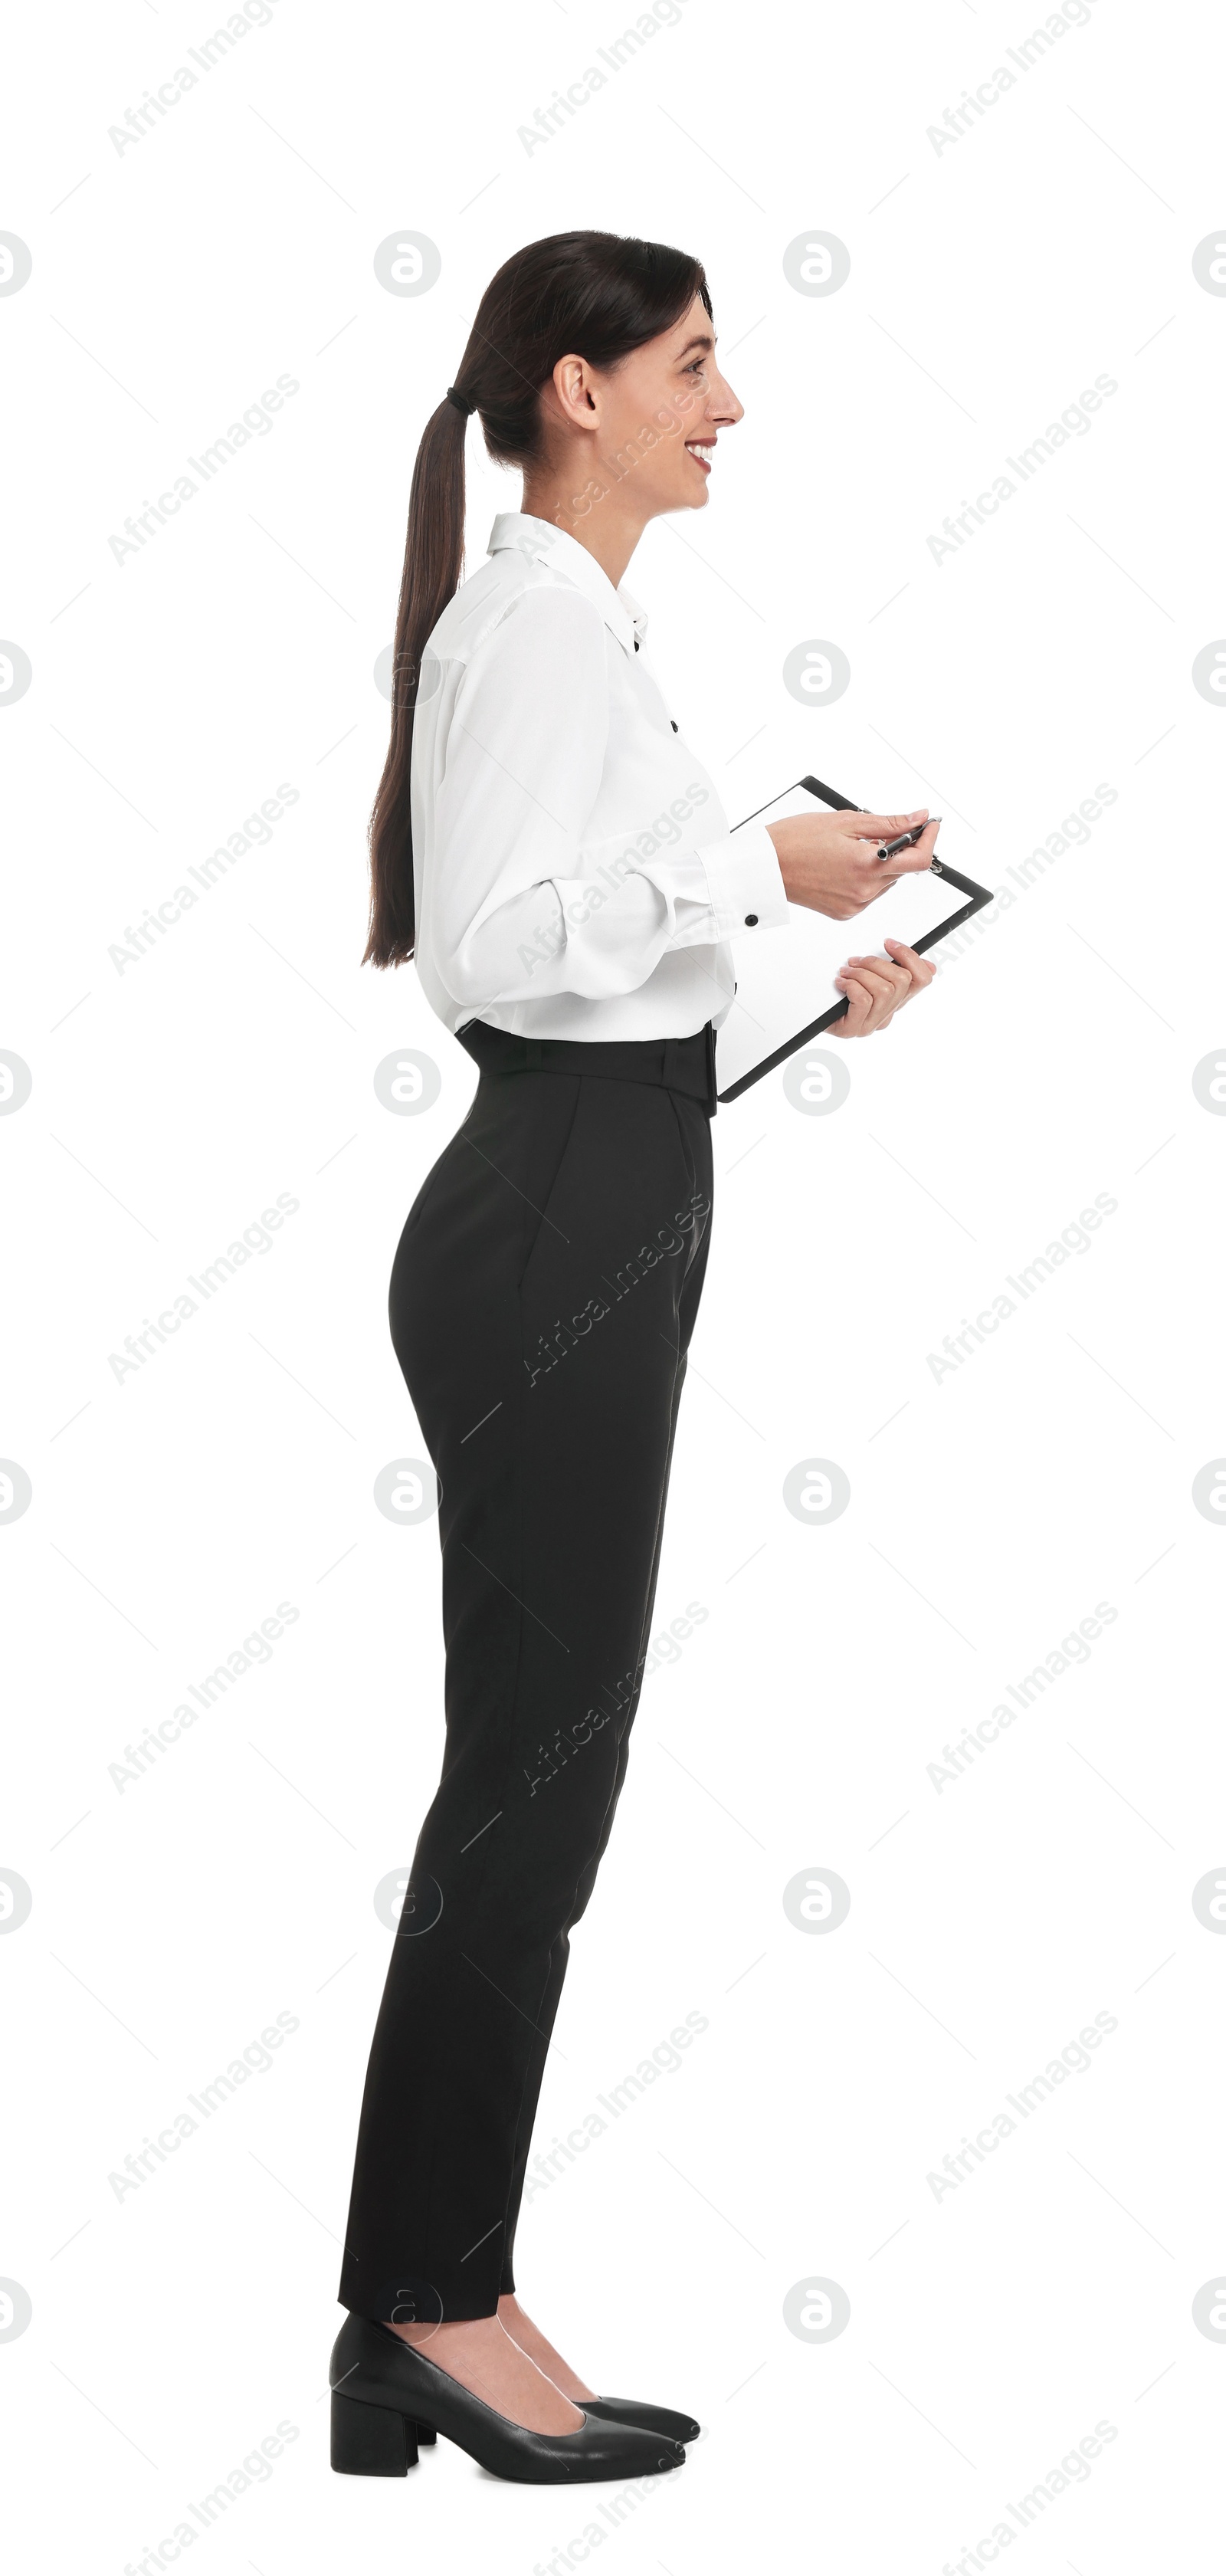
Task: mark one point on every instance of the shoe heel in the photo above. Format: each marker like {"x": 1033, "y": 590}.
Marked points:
{"x": 371, "y": 2441}
{"x": 425, "y": 2434}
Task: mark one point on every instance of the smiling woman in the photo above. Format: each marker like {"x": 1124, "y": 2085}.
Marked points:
{"x": 557, "y": 862}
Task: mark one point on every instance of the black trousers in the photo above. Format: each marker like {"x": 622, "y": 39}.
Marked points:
{"x": 542, "y": 1300}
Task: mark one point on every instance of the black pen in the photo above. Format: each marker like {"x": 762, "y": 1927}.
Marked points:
{"x": 908, "y": 840}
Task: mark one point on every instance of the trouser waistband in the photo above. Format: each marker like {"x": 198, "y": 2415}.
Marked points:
{"x": 679, "y": 1064}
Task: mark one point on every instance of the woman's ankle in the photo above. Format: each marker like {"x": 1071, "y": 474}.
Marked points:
{"x": 539, "y": 2349}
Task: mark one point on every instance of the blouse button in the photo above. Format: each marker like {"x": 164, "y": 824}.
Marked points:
{"x": 675, "y": 726}
{"x": 751, "y": 921}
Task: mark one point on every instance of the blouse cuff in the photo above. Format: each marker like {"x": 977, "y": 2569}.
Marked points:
{"x": 744, "y": 880}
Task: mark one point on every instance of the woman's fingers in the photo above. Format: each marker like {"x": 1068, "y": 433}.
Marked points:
{"x": 883, "y": 827}
{"x": 872, "y": 990}
{"x": 876, "y": 987}
{"x": 878, "y": 875}
{"x": 859, "y": 1005}
{"x": 918, "y": 856}
{"x": 886, "y": 985}
{"x": 918, "y": 968}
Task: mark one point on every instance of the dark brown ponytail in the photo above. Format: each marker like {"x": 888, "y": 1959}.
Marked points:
{"x": 598, "y": 294}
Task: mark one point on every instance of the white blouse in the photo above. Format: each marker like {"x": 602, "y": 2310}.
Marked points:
{"x": 574, "y": 873}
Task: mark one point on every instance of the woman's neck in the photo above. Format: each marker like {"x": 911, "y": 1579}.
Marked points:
{"x": 610, "y": 527}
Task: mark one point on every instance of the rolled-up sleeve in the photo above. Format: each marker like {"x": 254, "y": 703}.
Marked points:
{"x": 524, "y": 902}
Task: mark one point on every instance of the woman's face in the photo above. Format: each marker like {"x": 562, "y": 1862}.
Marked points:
{"x": 653, "y": 422}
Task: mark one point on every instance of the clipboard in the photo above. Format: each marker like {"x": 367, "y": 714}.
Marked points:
{"x": 780, "y": 976}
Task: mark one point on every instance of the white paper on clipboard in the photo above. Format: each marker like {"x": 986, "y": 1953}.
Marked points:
{"x": 785, "y": 977}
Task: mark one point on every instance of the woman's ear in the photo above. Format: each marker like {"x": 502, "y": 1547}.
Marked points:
{"x": 572, "y": 383}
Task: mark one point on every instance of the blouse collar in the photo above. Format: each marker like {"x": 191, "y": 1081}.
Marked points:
{"x": 547, "y": 544}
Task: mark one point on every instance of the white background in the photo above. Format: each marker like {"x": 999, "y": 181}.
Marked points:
{"x": 991, "y": 1918}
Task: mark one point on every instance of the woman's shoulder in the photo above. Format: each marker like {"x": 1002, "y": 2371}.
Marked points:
{"x": 527, "y": 600}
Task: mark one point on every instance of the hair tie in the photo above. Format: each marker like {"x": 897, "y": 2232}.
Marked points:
{"x": 459, "y": 400}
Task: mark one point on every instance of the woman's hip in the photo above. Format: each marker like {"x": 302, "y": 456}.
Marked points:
{"x": 562, "y": 1202}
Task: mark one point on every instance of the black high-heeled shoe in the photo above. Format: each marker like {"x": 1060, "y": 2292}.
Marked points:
{"x": 618, "y": 2410}
{"x": 384, "y": 2389}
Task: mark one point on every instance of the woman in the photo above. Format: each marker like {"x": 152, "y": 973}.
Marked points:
{"x": 556, "y": 860}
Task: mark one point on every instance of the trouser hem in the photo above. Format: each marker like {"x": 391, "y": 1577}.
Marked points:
{"x": 467, "y": 2308}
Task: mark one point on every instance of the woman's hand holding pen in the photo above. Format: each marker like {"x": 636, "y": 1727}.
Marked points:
{"x": 829, "y": 863}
